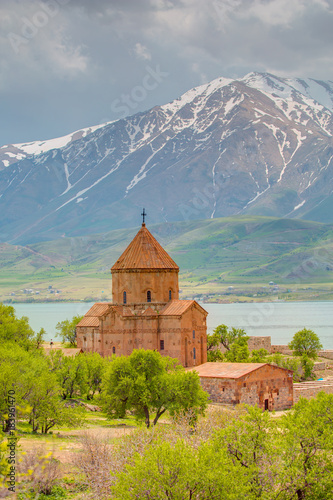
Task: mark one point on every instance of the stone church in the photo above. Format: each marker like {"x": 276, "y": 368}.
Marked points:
{"x": 146, "y": 312}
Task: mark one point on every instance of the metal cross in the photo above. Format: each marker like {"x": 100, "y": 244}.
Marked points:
{"x": 143, "y": 216}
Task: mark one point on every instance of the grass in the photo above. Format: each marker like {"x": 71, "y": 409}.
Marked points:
{"x": 212, "y": 254}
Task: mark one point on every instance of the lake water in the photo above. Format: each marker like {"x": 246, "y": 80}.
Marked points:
{"x": 280, "y": 320}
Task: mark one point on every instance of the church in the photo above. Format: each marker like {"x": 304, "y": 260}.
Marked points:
{"x": 146, "y": 312}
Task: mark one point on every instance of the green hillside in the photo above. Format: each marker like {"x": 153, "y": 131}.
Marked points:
{"x": 247, "y": 252}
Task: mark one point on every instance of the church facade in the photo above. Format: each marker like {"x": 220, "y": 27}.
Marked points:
{"x": 146, "y": 312}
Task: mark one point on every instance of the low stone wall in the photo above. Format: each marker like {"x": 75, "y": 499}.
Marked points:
{"x": 327, "y": 353}
{"x": 255, "y": 343}
{"x": 282, "y": 349}
{"x": 319, "y": 365}
{"x": 310, "y": 390}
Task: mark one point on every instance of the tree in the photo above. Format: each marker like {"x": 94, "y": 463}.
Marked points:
{"x": 250, "y": 444}
{"x": 234, "y": 340}
{"x": 146, "y": 382}
{"x": 228, "y": 337}
{"x": 13, "y": 329}
{"x": 95, "y": 367}
{"x": 306, "y": 446}
{"x": 258, "y": 356}
{"x": 40, "y": 337}
{"x": 71, "y": 373}
{"x": 213, "y": 351}
{"x": 47, "y": 408}
{"x": 18, "y": 370}
{"x": 305, "y": 342}
{"x": 238, "y": 351}
{"x": 178, "y": 471}
{"x": 67, "y": 330}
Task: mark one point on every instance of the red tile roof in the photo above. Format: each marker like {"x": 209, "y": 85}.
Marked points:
{"x": 178, "y": 307}
{"x": 226, "y": 370}
{"x": 144, "y": 252}
{"x": 91, "y": 318}
{"x": 98, "y": 309}
{"x": 89, "y": 321}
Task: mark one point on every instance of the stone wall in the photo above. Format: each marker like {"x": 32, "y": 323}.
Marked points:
{"x": 310, "y": 390}
{"x": 319, "y": 365}
{"x": 269, "y": 383}
{"x": 255, "y": 343}
{"x": 327, "y": 353}
{"x": 282, "y": 349}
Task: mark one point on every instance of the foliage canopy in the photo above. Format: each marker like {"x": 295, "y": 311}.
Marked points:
{"x": 146, "y": 382}
{"x": 305, "y": 342}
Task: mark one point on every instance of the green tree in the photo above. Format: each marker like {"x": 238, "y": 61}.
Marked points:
{"x": 234, "y": 340}
{"x": 39, "y": 338}
{"x": 213, "y": 351}
{"x": 146, "y": 382}
{"x": 238, "y": 351}
{"x": 258, "y": 356}
{"x": 71, "y": 372}
{"x": 95, "y": 368}
{"x": 46, "y": 407}
{"x": 307, "y": 366}
{"x": 305, "y": 342}
{"x": 227, "y": 337}
{"x": 306, "y": 446}
{"x": 13, "y": 329}
{"x": 4, "y": 465}
{"x": 67, "y": 330}
{"x": 18, "y": 370}
{"x": 179, "y": 471}
{"x": 250, "y": 445}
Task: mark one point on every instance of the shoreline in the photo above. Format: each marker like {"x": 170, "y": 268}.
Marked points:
{"x": 220, "y": 302}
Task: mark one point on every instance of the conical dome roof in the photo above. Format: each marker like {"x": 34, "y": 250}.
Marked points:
{"x": 144, "y": 252}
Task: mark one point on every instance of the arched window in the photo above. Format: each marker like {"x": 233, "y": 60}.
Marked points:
{"x": 113, "y": 348}
{"x": 124, "y": 297}
{"x": 194, "y": 353}
{"x": 149, "y": 296}
{"x": 170, "y": 294}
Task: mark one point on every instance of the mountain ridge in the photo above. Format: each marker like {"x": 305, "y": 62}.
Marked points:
{"x": 242, "y": 251}
{"x": 259, "y": 145}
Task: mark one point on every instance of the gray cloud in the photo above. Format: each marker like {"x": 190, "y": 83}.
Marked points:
{"x": 63, "y": 69}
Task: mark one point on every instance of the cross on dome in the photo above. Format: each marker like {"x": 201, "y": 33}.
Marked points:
{"x": 143, "y": 217}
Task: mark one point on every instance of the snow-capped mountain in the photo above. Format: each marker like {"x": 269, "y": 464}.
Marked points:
{"x": 259, "y": 144}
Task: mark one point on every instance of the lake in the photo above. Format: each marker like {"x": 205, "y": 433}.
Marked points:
{"x": 280, "y": 320}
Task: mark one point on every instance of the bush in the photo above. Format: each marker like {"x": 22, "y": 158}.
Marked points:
{"x": 38, "y": 472}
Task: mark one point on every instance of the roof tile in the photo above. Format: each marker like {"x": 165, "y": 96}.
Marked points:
{"x": 226, "y": 370}
{"x": 144, "y": 252}
{"x": 177, "y": 307}
{"x": 89, "y": 321}
{"x": 98, "y": 309}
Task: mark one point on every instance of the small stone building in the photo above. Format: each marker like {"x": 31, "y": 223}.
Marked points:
{"x": 267, "y": 386}
{"x": 146, "y": 311}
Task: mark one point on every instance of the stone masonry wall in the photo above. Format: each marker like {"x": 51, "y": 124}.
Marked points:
{"x": 259, "y": 343}
{"x": 327, "y": 353}
{"x": 283, "y": 349}
{"x": 269, "y": 382}
{"x": 310, "y": 390}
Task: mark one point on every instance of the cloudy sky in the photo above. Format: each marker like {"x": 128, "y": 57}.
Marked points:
{"x": 68, "y": 64}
